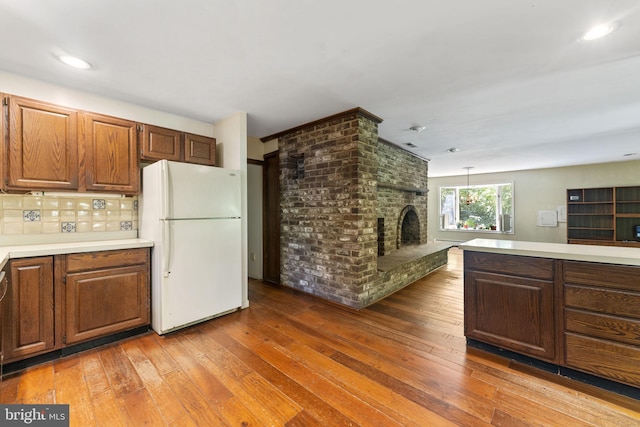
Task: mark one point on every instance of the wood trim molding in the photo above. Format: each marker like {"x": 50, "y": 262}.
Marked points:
{"x": 357, "y": 111}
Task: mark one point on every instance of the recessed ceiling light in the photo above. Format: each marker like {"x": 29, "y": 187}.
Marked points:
{"x": 417, "y": 128}
{"x": 599, "y": 31}
{"x": 410, "y": 144}
{"x": 453, "y": 150}
{"x": 74, "y": 61}
{"x": 630, "y": 154}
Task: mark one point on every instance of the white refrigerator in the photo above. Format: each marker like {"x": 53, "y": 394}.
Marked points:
{"x": 192, "y": 213}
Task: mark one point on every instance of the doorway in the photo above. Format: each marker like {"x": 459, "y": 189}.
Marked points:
{"x": 271, "y": 218}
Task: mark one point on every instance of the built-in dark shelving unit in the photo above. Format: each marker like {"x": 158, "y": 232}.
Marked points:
{"x": 603, "y": 216}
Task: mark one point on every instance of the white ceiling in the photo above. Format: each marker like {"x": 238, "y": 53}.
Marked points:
{"x": 504, "y": 81}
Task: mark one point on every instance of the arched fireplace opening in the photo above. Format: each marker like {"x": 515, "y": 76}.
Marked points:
{"x": 409, "y": 227}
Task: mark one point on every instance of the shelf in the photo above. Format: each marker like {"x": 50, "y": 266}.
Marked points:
{"x": 606, "y": 216}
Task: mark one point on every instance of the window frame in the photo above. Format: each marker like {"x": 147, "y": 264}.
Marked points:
{"x": 457, "y": 212}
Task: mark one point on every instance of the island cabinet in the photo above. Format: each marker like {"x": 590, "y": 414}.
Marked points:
{"x": 57, "y": 301}
{"x": 510, "y": 302}
{"x": 575, "y": 306}
{"x": 602, "y": 320}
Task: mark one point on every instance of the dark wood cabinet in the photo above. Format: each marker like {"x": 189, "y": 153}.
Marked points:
{"x": 602, "y": 320}
{"x": 42, "y": 150}
{"x": 603, "y": 216}
{"x": 110, "y": 154}
{"x": 576, "y": 314}
{"x": 199, "y": 149}
{"x": 28, "y": 308}
{"x": 159, "y": 143}
{"x": 56, "y": 301}
{"x": 105, "y": 293}
{"x": 512, "y": 311}
{"x": 4, "y": 120}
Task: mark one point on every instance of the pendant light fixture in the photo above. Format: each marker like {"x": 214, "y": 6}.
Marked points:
{"x": 469, "y": 200}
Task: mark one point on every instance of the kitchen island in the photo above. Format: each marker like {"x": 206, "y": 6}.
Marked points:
{"x": 574, "y": 306}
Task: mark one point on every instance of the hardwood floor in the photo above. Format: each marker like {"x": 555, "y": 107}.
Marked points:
{"x": 294, "y": 360}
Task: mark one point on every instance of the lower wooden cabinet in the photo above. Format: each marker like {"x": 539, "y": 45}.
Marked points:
{"x": 580, "y": 315}
{"x": 61, "y": 300}
{"x": 104, "y": 293}
{"x": 28, "y": 309}
{"x": 602, "y": 320}
{"x": 509, "y": 310}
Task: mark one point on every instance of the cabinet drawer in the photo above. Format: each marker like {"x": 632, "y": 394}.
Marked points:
{"x": 614, "y": 328}
{"x": 531, "y": 267}
{"x": 603, "y": 300}
{"x": 607, "y": 359}
{"x": 602, "y": 275}
{"x": 98, "y": 260}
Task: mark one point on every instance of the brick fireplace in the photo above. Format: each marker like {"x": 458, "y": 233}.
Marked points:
{"x": 349, "y": 199}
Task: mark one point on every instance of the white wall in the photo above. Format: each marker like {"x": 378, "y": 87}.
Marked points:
{"x": 29, "y": 88}
{"x": 534, "y": 190}
{"x": 231, "y": 133}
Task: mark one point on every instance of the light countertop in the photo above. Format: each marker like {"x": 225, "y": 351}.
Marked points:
{"x": 591, "y": 253}
{"x": 25, "y": 251}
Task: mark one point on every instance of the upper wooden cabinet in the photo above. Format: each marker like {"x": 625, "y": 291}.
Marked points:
{"x": 161, "y": 143}
{"x": 48, "y": 147}
{"x": 199, "y": 149}
{"x": 42, "y": 146}
{"x": 110, "y": 154}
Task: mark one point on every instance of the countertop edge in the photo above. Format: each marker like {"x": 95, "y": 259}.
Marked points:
{"x": 589, "y": 253}
{"x": 27, "y": 251}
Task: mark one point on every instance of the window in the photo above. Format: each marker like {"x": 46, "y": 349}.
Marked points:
{"x": 477, "y": 207}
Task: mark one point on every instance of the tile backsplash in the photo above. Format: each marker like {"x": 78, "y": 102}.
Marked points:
{"x": 67, "y": 213}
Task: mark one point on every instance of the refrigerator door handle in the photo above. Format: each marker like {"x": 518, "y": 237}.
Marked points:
{"x": 164, "y": 177}
{"x": 166, "y": 250}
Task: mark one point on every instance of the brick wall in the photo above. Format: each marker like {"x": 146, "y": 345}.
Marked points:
{"x": 398, "y": 172}
{"x": 331, "y": 203}
{"x": 328, "y": 207}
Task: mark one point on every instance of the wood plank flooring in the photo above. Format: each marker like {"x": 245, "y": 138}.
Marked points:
{"x": 294, "y": 360}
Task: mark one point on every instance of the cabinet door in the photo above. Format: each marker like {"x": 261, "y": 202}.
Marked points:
{"x": 3, "y": 132}
{"x": 102, "y": 302}
{"x": 43, "y": 146}
{"x": 161, "y": 143}
{"x": 515, "y": 313}
{"x": 200, "y": 149}
{"x": 28, "y": 310}
{"x": 110, "y": 151}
